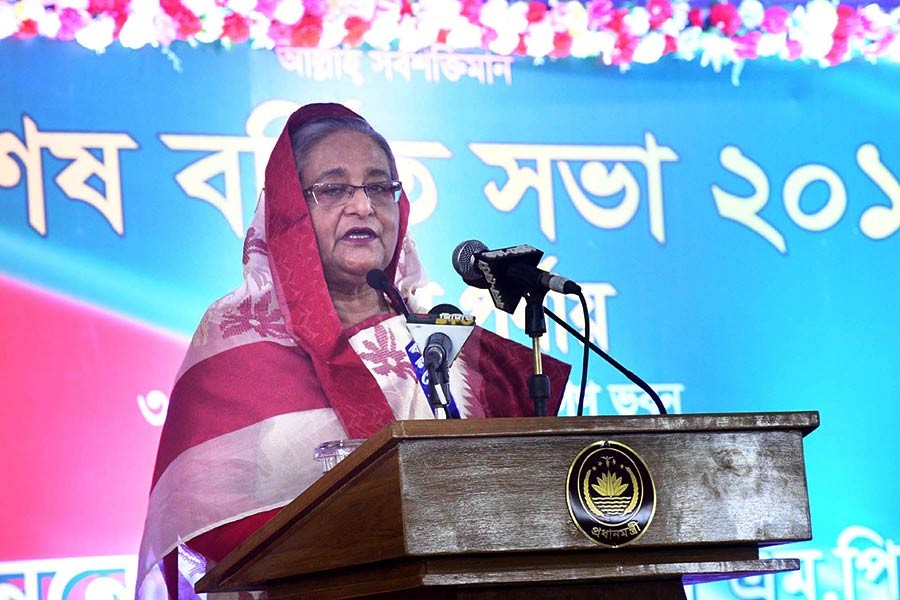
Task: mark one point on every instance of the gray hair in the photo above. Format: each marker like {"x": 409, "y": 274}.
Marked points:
{"x": 309, "y": 134}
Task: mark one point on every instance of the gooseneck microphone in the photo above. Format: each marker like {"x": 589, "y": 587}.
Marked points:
{"x": 378, "y": 279}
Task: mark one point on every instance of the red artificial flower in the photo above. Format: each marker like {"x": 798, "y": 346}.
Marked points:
{"x": 747, "y": 46}
{"x": 536, "y": 11}
{"x": 775, "y": 20}
{"x": 695, "y": 16}
{"x": 725, "y": 16}
{"x": 660, "y": 12}
{"x": 186, "y": 22}
{"x": 624, "y": 49}
{"x": 617, "y": 22}
{"x": 671, "y": 45}
{"x": 442, "y": 36}
{"x": 406, "y": 9}
{"x": 27, "y": 29}
{"x": 307, "y": 32}
{"x": 838, "y": 51}
{"x": 600, "y": 12}
{"x": 848, "y": 24}
{"x": 356, "y": 28}
{"x": 562, "y": 44}
{"x": 70, "y": 21}
{"x": 236, "y": 28}
{"x": 471, "y": 9}
{"x": 521, "y": 49}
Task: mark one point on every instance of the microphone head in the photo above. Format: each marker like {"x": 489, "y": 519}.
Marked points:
{"x": 378, "y": 279}
{"x": 464, "y": 262}
{"x": 440, "y": 309}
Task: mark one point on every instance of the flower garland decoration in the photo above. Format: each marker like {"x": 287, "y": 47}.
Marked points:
{"x": 820, "y": 31}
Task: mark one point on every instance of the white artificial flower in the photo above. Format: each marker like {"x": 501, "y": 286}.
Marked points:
{"x": 689, "y": 43}
{"x": 289, "y": 11}
{"x": 497, "y": 15}
{"x": 463, "y": 33}
{"x": 574, "y": 17}
{"x": 679, "y": 21}
{"x": 506, "y": 41}
{"x": 879, "y": 20}
{"x": 752, "y": 13}
{"x": 8, "y": 22}
{"x": 241, "y": 7}
{"x": 76, "y": 4}
{"x": 137, "y": 32}
{"x": 333, "y": 33}
{"x": 212, "y": 23}
{"x": 438, "y": 12}
{"x": 49, "y": 25}
{"x": 539, "y": 39}
{"x": 364, "y": 9}
{"x": 259, "y": 31}
{"x": 638, "y": 21}
{"x": 588, "y": 44}
{"x": 29, "y": 10}
{"x": 97, "y": 35}
{"x": 771, "y": 44}
{"x": 144, "y": 7}
{"x": 199, "y": 7}
{"x": 415, "y": 36}
{"x": 716, "y": 51}
{"x": 650, "y": 49}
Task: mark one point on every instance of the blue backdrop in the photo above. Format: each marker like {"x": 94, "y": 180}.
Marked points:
{"x": 738, "y": 242}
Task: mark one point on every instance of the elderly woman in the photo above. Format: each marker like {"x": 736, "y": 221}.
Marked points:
{"x": 304, "y": 351}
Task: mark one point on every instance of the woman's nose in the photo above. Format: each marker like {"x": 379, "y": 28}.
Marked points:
{"x": 359, "y": 203}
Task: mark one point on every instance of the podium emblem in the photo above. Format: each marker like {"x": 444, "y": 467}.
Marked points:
{"x": 610, "y": 494}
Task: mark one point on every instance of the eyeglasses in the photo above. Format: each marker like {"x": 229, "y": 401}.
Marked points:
{"x": 333, "y": 195}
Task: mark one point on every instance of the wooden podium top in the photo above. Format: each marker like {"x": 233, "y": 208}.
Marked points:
{"x": 487, "y": 497}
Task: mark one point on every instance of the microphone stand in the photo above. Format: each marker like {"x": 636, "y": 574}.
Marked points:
{"x": 535, "y": 327}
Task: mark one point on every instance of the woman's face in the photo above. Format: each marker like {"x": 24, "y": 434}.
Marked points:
{"x": 358, "y": 236}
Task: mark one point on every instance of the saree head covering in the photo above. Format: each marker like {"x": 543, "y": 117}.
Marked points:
{"x": 271, "y": 372}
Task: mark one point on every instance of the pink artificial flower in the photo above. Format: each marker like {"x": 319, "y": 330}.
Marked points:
{"x": 186, "y": 22}
{"x": 562, "y": 44}
{"x": 617, "y": 22}
{"x": 237, "y": 29}
{"x": 356, "y": 28}
{"x": 725, "y": 16}
{"x": 660, "y": 12}
{"x": 70, "y": 21}
{"x": 267, "y": 8}
{"x": 488, "y": 36}
{"x": 695, "y": 16}
{"x": 747, "y": 46}
{"x": 280, "y": 34}
{"x": 315, "y": 8}
{"x": 471, "y": 9}
{"x": 794, "y": 49}
{"x": 522, "y": 48}
{"x": 600, "y": 12}
{"x": 536, "y": 11}
{"x": 775, "y": 20}
{"x": 307, "y": 32}
{"x": 406, "y": 9}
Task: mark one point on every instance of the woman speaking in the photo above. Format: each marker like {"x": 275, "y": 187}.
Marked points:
{"x": 304, "y": 351}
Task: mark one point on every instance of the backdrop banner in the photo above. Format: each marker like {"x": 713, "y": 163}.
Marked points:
{"x": 737, "y": 245}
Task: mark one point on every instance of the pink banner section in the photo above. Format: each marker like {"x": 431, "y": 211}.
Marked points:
{"x": 83, "y": 393}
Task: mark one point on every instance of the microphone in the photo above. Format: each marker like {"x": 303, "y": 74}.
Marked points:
{"x": 508, "y": 273}
{"x": 378, "y": 279}
{"x": 443, "y": 321}
{"x": 444, "y": 331}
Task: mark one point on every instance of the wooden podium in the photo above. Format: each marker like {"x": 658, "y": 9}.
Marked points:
{"x": 477, "y": 509}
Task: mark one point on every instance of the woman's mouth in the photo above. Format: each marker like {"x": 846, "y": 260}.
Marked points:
{"x": 359, "y": 235}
